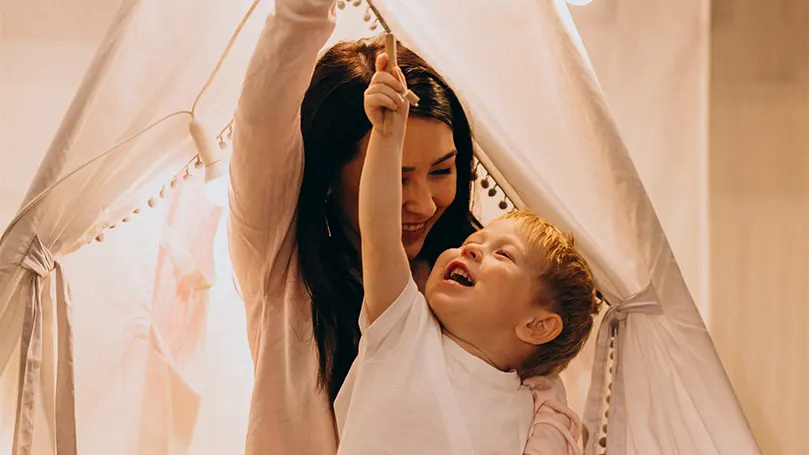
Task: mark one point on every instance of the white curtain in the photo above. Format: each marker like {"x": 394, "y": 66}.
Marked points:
{"x": 542, "y": 122}
{"x": 542, "y": 127}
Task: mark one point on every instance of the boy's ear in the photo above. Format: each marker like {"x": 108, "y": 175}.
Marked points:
{"x": 543, "y": 327}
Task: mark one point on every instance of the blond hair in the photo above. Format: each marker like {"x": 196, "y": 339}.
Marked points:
{"x": 567, "y": 289}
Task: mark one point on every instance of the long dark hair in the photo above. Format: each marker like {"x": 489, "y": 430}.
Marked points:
{"x": 333, "y": 122}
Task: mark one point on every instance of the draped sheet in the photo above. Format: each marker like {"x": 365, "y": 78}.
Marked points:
{"x": 540, "y": 117}
{"x": 541, "y": 124}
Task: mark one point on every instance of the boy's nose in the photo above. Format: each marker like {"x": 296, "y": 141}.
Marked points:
{"x": 472, "y": 252}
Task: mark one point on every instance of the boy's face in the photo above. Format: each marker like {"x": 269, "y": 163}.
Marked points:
{"x": 487, "y": 287}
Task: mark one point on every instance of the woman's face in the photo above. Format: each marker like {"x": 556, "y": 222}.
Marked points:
{"x": 429, "y": 179}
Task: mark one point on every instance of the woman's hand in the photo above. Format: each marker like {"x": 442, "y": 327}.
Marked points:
{"x": 386, "y": 93}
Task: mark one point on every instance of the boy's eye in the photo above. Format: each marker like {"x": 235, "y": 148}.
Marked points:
{"x": 505, "y": 254}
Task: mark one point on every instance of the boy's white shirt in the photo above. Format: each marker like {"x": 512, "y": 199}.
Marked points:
{"x": 412, "y": 390}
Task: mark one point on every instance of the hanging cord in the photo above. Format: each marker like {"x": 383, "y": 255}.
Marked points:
{"x": 30, "y": 205}
{"x": 117, "y": 147}
{"x": 379, "y": 17}
{"x": 225, "y": 54}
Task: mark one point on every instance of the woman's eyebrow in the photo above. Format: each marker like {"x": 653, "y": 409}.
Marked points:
{"x": 445, "y": 157}
{"x": 435, "y": 163}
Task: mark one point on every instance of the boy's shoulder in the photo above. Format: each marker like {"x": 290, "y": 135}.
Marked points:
{"x": 556, "y": 426}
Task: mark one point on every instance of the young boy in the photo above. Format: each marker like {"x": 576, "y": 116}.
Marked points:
{"x": 442, "y": 373}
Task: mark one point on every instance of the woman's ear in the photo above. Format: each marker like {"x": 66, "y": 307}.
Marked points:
{"x": 543, "y": 327}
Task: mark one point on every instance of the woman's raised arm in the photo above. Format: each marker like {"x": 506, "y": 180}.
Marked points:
{"x": 267, "y": 163}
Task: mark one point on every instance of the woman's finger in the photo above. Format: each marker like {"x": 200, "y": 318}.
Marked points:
{"x": 387, "y": 91}
{"x": 381, "y": 62}
{"x": 386, "y": 78}
{"x": 381, "y": 100}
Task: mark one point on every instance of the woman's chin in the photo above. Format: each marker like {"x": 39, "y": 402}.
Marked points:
{"x": 413, "y": 247}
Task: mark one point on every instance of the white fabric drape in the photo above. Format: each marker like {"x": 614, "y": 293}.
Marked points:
{"x": 129, "y": 85}
{"x": 39, "y": 345}
{"x": 538, "y": 116}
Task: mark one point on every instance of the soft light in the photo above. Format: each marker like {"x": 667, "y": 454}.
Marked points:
{"x": 216, "y": 183}
{"x": 215, "y": 162}
{"x": 578, "y": 2}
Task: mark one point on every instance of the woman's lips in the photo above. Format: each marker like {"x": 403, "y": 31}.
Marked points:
{"x": 413, "y": 231}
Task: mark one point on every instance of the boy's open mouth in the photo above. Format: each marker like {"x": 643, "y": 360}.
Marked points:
{"x": 458, "y": 273}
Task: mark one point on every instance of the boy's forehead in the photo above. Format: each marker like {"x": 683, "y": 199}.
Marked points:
{"x": 512, "y": 231}
{"x": 500, "y": 228}
{"x": 504, "y": 226}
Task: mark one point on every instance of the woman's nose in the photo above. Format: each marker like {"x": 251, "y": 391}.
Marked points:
{"x": 418, "y": 200}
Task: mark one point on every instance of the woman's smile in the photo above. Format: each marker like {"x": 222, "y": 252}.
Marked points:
{"x": 413, "y": 231}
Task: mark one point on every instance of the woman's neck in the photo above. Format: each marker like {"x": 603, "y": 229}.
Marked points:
{"x": 421, "y": 272}
{"x": 418, "y": 267}
{"x": 351, "y": 234}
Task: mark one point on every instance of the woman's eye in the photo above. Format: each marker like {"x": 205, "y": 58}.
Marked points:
{"x": 446, "y": 171}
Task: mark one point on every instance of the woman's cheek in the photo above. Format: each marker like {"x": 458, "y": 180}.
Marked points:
{"x": 444, "y": 192}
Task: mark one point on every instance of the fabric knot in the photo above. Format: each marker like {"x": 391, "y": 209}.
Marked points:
{"x": 49, "y": 299}
{"x": 38, "y": 259}
{"x": 645, "y": 302}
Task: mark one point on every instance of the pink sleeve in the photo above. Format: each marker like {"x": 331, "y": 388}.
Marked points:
{"x": 266, "y": 166}
{"x": 556, "y": 427}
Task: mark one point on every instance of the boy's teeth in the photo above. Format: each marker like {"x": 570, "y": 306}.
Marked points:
{"x": 461, "y": 276}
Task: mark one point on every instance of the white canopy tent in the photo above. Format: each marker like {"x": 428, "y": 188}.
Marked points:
{"x": 544, "y": 135}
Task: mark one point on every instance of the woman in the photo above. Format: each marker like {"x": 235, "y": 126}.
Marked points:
{"x": 295, "y": 173}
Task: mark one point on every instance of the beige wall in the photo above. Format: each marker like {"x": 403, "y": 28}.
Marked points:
{"x": 759, "y": 212}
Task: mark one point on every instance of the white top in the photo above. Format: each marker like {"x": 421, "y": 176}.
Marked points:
{"x": 412, "y": 390}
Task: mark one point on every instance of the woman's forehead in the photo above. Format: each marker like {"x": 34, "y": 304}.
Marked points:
{"x": 427, "y": 143}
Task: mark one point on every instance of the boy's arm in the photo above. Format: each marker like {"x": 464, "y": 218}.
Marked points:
{"x": 385, "y": 268}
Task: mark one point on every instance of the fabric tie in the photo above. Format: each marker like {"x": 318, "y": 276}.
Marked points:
{"x": 614, "y": 322}
{"x": 40, "y": 261}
